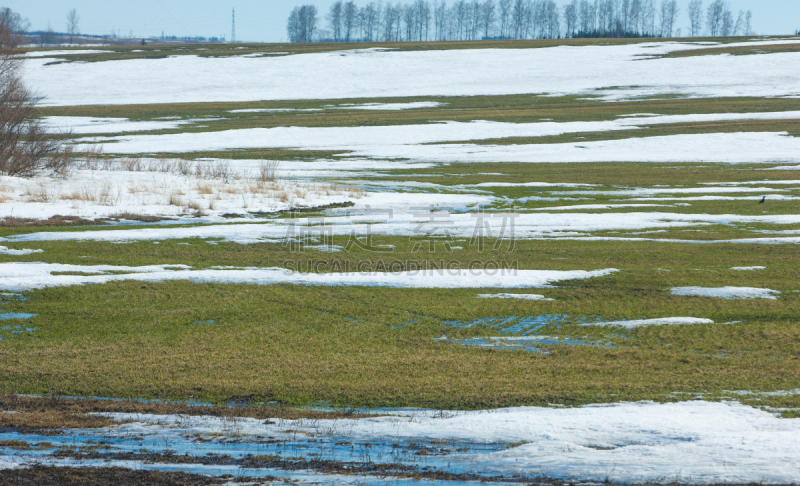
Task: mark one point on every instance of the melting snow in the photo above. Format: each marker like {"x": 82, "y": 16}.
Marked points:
{"x": 6, "y": 251}
{"x": 514, "y": 296}
{"x": 688, "y": 442}
{"x": 27, "y": 276}
{"x": 664, "y": 321}
{"x": 373, "y": 73}
{"x": 727, "y": 292}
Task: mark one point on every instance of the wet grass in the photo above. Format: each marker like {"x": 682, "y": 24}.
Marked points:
{"x": 611, "y": 174}
{"x": 101, "y": 476}
{"x": 47, "y": 415}
{"x": 353, "y": 346}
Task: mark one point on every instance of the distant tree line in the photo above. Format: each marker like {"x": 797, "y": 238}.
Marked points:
{"x": 425, "y": 20}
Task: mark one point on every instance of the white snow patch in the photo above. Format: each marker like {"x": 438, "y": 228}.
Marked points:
{"x": 750, "y": 183}
{"x": 599, "y": 206}
{"x": 664, "y": 321}
{"x": 529, "y": 184}
{"x": 8, "y": 462}
{"x": 271, "y": 110}
{"x": 28, "y": 276}
{"x": 408, "y": 209}
{"x": 389, "y": 106}
{"x": 693, "y": 442}
{"x": 85, "y": 124}
{"x": 514, "y": 296}
{"x": 763, "y": 147}
{"x": 727, "y": 292}
{"x": 620, "y": 71}
{"x": 400, "y": 138}
{"x": 784, "y": 167}
{"x": 6, "y": 251}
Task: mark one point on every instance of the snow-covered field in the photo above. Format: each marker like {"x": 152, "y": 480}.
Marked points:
{"x": 614, "y": 72}
{"x": 224, "y": 200}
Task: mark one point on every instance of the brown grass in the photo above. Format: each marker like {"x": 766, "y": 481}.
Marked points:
{"x": 102, "y": 476}
{"x": 13, "y": 222}
{"x": 46, "y": 413}
{"x": 268, "y": 170}
{"x": 174, "y": 200}
{"x": 58, "y": 220}
{"x": 40, "y": 192}
{"x": 140, "y": 217}
{"x": 194, "y": 205}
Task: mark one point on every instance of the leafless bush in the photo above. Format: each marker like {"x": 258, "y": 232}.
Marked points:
{"x": 132, "y": 165}
{"x": 40, "y": 192}
{"x": 221, "y": 169}
{"x": 268, "y": 170}
{"x": 93, "y": 155}
{"x": 25, "y": 147}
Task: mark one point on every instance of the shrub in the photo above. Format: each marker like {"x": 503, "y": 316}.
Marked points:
{"x": 24, "y": 144}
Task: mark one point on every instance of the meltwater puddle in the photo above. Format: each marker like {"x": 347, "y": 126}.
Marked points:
{"x": 14, "y": 330}
{"x": 298, "y": 451}
{"x": 520, "y": 333}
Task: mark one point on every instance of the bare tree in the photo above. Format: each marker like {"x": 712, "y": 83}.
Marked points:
{"x": 370, "y": 16}
{"x": 669, "y": 14}
{"x": 48, "y": 36}
{"x": 715, "y": 17}
{"x": 349, "y": 17}
{"x": 696, "y": 16}
{"x": 488, "y": 15}
{"x": 738, "y": 28}
{"x": 649, "y": 17}
{"x": 635, "y": 17}
{"x": 25, "y": 147}
{"x": 748, "y": 23}
{"x": 571, "y": 18}
{"x": 73, "y": 29}
{"x": 302, "y": 24}
{"x": 504, "y": 7}
{"x": 727, "y": 22}
{"x": 335, "y": 20}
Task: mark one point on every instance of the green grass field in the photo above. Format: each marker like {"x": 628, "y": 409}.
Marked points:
{"x": 378, "y": 347}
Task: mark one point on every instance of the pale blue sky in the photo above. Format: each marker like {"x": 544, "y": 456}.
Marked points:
{"x": 265, "y": 20}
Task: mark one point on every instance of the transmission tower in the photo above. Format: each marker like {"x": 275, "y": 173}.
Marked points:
{"x": 233, "y": 26}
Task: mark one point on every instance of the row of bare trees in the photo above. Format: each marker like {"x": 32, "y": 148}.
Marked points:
{"x": 511, "y": 19}
{"x": 25, "y": 146}
{"x": 302, "y": 24}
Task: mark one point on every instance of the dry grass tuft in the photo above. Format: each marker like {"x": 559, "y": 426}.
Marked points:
{"x": 194, "y": 205}
{"x": 175, "y": 200}
{"x": 268, "y": 170}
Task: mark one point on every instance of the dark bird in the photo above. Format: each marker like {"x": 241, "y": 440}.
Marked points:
{"x": 763, "y": 198}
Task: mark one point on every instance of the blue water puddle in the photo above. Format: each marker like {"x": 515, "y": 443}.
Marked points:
{"x": 514, "y": 325}
{"x": 520, "y": 333}
{"x": 324, "y": 444}
{"x": 16, "y": 315}
{"x": 9, "y": 297}
{"x": 10, "y": 332}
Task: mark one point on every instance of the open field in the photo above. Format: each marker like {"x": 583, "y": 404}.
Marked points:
{"x": 575, "y": 262}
